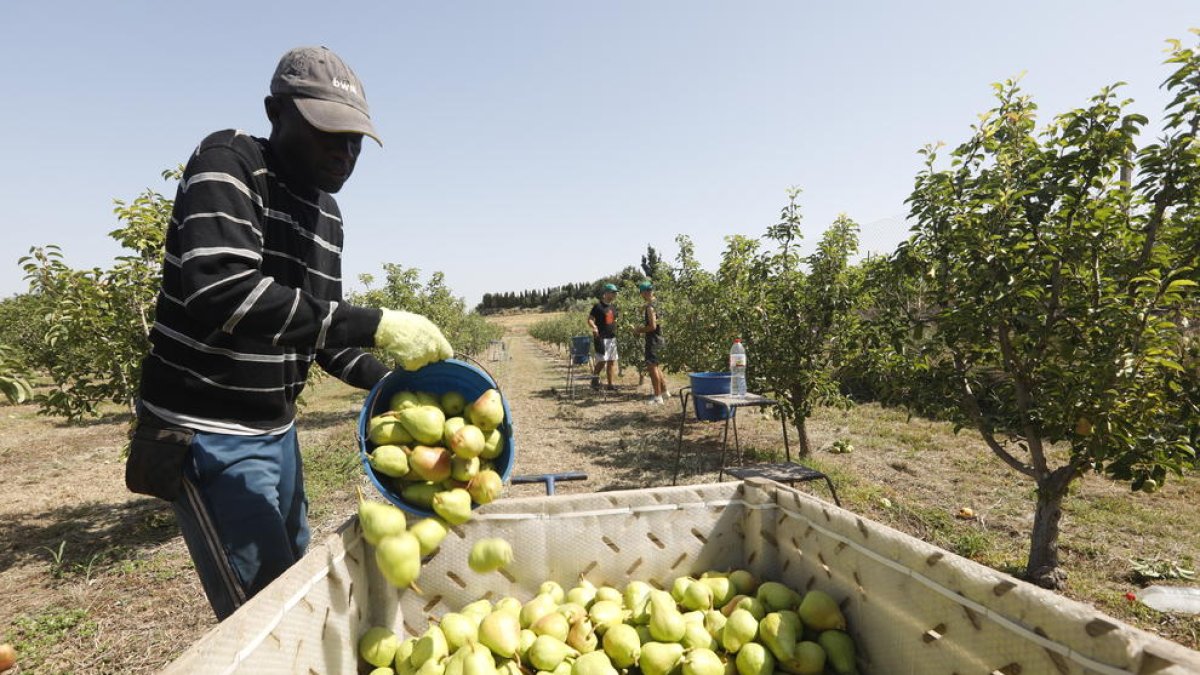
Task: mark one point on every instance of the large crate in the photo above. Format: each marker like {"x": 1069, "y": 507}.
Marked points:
{"x": 913, "y": 608}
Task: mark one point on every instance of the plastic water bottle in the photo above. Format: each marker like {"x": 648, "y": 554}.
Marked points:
{"x": 737, "y": 369}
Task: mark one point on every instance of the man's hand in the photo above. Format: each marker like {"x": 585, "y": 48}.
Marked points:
{"x": 412, "y": 339}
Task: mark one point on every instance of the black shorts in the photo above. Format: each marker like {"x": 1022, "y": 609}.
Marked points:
{"x": 653, "y": 344}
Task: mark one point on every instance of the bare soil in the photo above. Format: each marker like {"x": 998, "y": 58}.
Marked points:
{"x": 94, "y": 579}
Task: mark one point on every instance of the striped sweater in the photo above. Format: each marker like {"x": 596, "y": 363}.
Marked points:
{"x": 251, "y": 295}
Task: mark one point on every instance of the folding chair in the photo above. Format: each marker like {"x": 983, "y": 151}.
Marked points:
{"x": 579, "y": 356}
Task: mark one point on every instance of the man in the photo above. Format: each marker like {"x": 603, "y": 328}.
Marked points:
{"x": 603, "y": 322}
{"x": 652, "y": 329}
{"x": 251, "y": 295}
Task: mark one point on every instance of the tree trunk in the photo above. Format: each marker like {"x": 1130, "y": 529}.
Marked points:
{"x": 802, "y": 435}
{"x": 1043, "y": 569}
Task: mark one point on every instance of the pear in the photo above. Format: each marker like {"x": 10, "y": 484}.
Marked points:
{"x": 697, "y": 596}
{"x": 820, "y": 611}
{"x": 426, "y": 423}
{"x": 431, "y": 646}
{"x": 779, "y": 635}
{"x": 839, "y": 651}
{"x": 378, "y": 646}
{"x": 679, "y": 586}
{"x": 389, "y": 460}
{"x": 752, "y": 605}
{"x": 722, "y": 589}
{"x": 451, "y": 427}
{"x": 593, "y": 663}
{"x": 539, "y": 606}
{"x": 666, "y": 623}
{"x": 509, "y": 667}
{"x": 714, "y": 621}
{"x": 399, "y": 559}
{"x": 452, "y": 403}
{"x": 487, "y": 411}
{"x": 582, "y": 636}
{"x": 478, "y": 609}
{"x": 459, "y": 629}
{"x": 546, "y": 653}
{"x": 420, "y": 494}
{"x": 429, "y": 533}
{"x": 810, "y": 660}
{"x": 379, "y": 520}
{"x": 453, "y": 505}
{"x": 744, "y": 583}
{"x": 660, "y": 658}
{"x": 382, "y": 670}
{"x": 637, "y": 601}
{"x": 608, "y": 593}
{"x": 467, "y": 442}
{"x": 702, "y": 662}
{"x": 775, "y": 596}
{"x": 463, "y": 470}
{"x": 432, "y": 667}
{"x": 489, "y": 555}
{"x": 493, "y": 444}
{"x": 509, "y": 604}
{"x": 485, "y": 486}
{"x": 476, "y": 659}
{"x": 404, "y": 651}
{"x": 696, "y": 636}
{"x": 755, "y": 659}
{"x": 386, "y": 429}
{"x": 693, "y": 616}
{"x": 553, "y": 624}
{"x": 526, "y": 641}
{"x": 429, "y": 463}
{"x": 583, "y": 594}
{"x": 553, "y": 588}
{"x": 740, "y": 628}
{"x": 605, "y": 613}
{"x": 622, "y": 644}
{"x": 403, "y": 399}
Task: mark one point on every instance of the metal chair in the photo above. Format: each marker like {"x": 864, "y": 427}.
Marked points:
{"x": 580, "y": 355}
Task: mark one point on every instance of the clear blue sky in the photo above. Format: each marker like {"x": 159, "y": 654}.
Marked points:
{"x": 529, "y": 144}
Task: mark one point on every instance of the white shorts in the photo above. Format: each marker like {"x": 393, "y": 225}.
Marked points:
{"x": 609, "y": 352}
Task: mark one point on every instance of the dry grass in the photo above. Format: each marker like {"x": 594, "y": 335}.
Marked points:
{"x": 122, "y": 597}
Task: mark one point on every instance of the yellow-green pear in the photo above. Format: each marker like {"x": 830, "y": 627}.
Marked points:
{"x": 679, "y": 586}
{"x": 404, "y": 651}
{"x": 420, "y": 494}
{"x": 696, "y": 636}
{"x": 432, "y": 667}
{"x": 775, "y": 596}
{"x": 607, "y": 593}
{"x": 755, "y": 659}
{"x": 426, "y": 423}
{"x": 478, "y": 609}
{"x": 509, "y": 604}
{"x": 819, "y": 611}
{"x": 382, "y": 670}
{"x": 389, "y": 460}
{"x": 527, "y": 638}
{"x": 702, "y": 661}
{"x": 509, "y": 667}
{"x": 452, "y": 403}
{"x": 583, "y": 594}
{"x": 537, "y": 607}
{"x": 453, "y": 424}
{"x": 487, "y": 411}
{"x": 493, "y": 444}
{"x": 552, "y": 588}
{"x": 554, "y": 624}
{"x": 546, "y": 652}
{"x": 501, "y": 632}
{"x": 810, "y": 660}
{"x": 839, "y": 651}
{"x": 386, "y": 429}
{"x": 722, "y": 589}
{"x": 605, "y": 613}
{"x": 399, "y": 559}
{"x": 459, "y": 629}
{"x": 637, "y": 601}
{"x": 714, "y": 621}
{"x": 697, "y": 596}
{"x": 666, "y": 623}
{"x": 467, "y": 442}
{"x": 752, "y": 605}
{"x": 489, "y": 555}
{"x": 740, "y": 628}
{"x": 429, "y": 533}
{"x": 429, "y": 463}
{"x": 582, "y": 636}
{"x": 485, "y": 486}
{"x": 479, "y": 660}
{"x": 744, "y": 583}
{"x": 660, "y": 658}
{"x": 403, "y": 399}
{"x": 379, "y": 520}
{"x": 431, "y": 646}
{"x": 622, "y": 644}
{"x": 454, "y": 664}
{"x": 593, "y": 663}
{"x": 378, "y": 646}
{"x": 428, "y": 398}
{"x": 453, "y": 505}
{"x": 779, "y": 635}
{"x": 463, "y": 470}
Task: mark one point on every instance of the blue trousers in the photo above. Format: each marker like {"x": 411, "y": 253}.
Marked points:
{"x": 243, "y": 513}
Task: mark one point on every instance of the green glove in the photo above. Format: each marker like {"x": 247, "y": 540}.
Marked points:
{"x": 412, "y": 339}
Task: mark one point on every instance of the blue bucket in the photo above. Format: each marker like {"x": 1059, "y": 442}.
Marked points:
{"x": 710, "y": 383}
{"x": 438, "y": 378}
{"x": 581, "y": 349}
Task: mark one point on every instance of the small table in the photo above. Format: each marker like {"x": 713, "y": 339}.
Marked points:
{"x": 785, "y": 472}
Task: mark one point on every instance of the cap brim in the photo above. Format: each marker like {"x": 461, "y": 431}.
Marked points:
{"x": 336, "y": 118}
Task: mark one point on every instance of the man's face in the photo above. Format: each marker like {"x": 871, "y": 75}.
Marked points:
{"x": 608, "y": 297}
{"x": 312, "y": 157}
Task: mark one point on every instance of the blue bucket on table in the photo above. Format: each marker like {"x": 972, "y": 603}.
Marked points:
{"x": 438, "y": 378}
{"x": 581, "y": 349}
{"x": 710, "y": 383}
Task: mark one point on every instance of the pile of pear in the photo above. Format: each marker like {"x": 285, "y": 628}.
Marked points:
{"x": 437, "y": 452}
{"x": 719, "y": 623}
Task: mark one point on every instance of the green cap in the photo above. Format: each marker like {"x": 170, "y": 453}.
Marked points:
{"x": 645, "y": 286}
{"x": 610, "y": 288}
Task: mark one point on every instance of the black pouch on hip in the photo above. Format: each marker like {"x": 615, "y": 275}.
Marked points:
{"x": 156, "y": 457}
